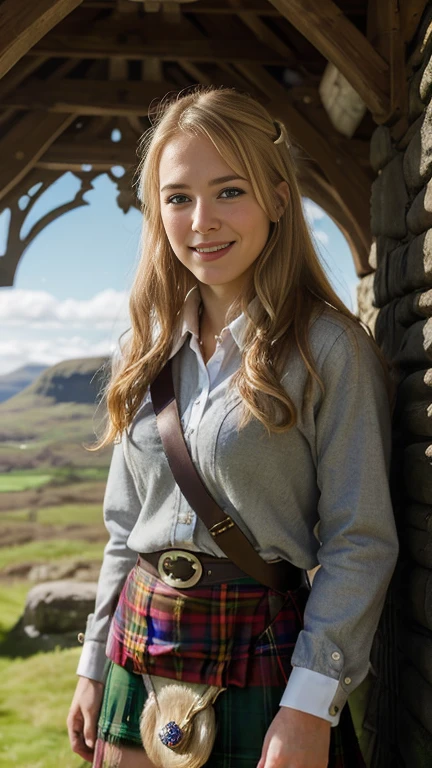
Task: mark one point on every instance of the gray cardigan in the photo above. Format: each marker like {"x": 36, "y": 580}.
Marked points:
{"x": 315, "y": 495}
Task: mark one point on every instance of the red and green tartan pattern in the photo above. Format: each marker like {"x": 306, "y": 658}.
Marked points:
{"x": 243, "y": 716}
{"x": 214, "y": 635}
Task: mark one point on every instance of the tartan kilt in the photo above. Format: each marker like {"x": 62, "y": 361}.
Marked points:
{"x": 214, "y": 635}
{"x": 219, "y": 635}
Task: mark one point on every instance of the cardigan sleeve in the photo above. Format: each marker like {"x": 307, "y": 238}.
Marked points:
{"x": 357, "y": 534}
{"x": 121, "y": 509}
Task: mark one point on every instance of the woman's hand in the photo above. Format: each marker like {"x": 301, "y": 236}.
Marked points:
{"x": 83, "y": 715}
{"x": 296, "y": 740}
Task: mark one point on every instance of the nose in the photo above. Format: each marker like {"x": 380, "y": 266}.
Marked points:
{"x": 204, "y": 218}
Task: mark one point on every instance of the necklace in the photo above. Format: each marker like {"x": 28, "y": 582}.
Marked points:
{"x": 200, "y": 341}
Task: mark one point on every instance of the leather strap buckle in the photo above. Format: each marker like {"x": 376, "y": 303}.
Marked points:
{"x": 221, "y": 526}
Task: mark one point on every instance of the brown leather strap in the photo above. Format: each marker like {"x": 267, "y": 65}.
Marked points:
{"x": 281, "y": 576}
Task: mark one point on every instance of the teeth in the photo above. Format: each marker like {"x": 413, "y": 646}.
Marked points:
{"x": 210, "y": 250}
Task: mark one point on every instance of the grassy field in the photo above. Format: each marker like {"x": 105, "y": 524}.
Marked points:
{"x": 35, "y": 694}
{"x": 66, "y": 514}
{"x": 24, "y": 480}
{"x": 53, "y": 549}
{"x": 36, "y": 690}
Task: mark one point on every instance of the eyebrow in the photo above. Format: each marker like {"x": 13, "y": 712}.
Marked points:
{"x": 214, "y": 182}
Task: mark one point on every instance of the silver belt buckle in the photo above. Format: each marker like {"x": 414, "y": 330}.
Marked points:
{"x": 170, "y": 565}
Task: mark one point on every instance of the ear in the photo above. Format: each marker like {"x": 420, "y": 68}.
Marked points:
{"x": 283, "y": 194}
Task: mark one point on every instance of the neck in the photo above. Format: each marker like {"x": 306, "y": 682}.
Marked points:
{"x": 215, "y": 309}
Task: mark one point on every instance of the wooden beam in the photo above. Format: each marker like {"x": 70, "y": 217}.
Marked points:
{"x": 254, "y": 7}
{"x": 25, "y": 143}
{"x": 324, "y": 24}
{"x": 265, "y": 35}
{"x": 349, "y": 179}
{"x": 101, "y": 154}
{"x": 88, "y": 97}
{"x": 21, "y": 71}
{"x": 384, "y": 34}
{"x": 411, "y": 14}
{"x": 24, "y": 23}
{"x": 135, "y": 48}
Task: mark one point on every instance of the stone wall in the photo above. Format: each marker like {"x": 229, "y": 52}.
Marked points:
{"x": 396, "y": 301}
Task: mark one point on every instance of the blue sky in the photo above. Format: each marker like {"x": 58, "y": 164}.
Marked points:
{"x": 71, "y": 289}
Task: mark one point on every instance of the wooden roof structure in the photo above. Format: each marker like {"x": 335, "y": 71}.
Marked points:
{"x": 77, "y": 74}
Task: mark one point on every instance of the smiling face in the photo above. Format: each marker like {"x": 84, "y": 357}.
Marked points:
{"x": 205, "y": 204}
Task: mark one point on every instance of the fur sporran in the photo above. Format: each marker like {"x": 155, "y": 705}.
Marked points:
{"x": 178, "y": 725}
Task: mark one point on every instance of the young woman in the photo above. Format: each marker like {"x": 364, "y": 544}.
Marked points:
{"x": 283, "y": 399}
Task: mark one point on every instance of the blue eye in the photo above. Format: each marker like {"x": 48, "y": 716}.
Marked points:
{"x": 172, "y": 199}
{"x": 233, "y": 189}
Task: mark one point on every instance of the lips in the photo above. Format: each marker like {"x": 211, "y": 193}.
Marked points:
{"x": 213, "y": 255}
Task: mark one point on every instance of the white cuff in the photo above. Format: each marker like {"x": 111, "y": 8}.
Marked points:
{"x": 311, "y": 692}
{"x": 92, "y": 661}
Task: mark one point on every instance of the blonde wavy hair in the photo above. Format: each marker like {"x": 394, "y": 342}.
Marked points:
{"x": 288, "y": 279}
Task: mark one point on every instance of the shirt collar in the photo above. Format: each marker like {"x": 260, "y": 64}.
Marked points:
{"x": 190, "y": 322}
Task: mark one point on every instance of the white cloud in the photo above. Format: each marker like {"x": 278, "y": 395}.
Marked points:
{"x": 17, "y": 352}
{"x": 39, "y": 309}
{"x": 321, "y": 236}
{"x": 312, "y": 211}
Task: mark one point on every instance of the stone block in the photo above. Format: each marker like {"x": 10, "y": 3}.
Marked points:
{"x": 419, "y": 592}
{"x": 416, "y": 345}
{"x": 367, "y": 312}
{"x": 419, "y": 544}
{"x": 416, "y": 418}
{"x": 404, "y": 269}
{"x": 417, "y": 695}
{"x": 417, "y": 162}
{"x": 392, "y": 322}
{"x": 425, "y": 87}
{"x": 408, "y": 308}
{"x": 415, "y": 404}
{"x": 417, "y": 472}
{"x": 414, "y": 387}
{"x": 382, "y": 149}
{"x": 415, "y": 742}
{"x": 419, "y": 516}
{"x": 417, "y": 647}
{"x": 415, "y": 104}
{"x": 424, "y": 303}
{"x": 59, "y": 606}
{"x": 419, "y": 216}
{"x": 373, "y": 255}
{"x": 403, "y": 142}
{"x": 389, "y": 201}
{"x": 420, "y": 46}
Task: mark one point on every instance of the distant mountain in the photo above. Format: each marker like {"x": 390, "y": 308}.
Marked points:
{"x": 48, "y": 422}
{"x": 14, "y": 382}
{"x": 71, "y": 381}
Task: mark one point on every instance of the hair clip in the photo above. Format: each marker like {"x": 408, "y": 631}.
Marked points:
{"x": 281, "y": 133}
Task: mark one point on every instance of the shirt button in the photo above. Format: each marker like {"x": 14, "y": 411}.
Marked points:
{"x": 347, "y": 681}
{"x": 333, "y": 710}
{"x": 335, "y": 656}
{"x": 197, "y": 402}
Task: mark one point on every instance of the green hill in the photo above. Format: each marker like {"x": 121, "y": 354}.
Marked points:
{"x": 48, "y": 423}
{"x": 14, "y": 382}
